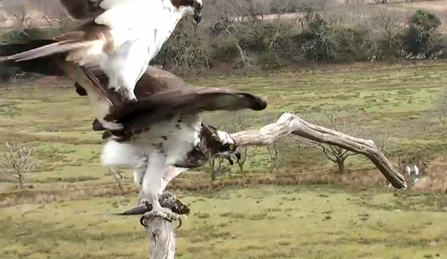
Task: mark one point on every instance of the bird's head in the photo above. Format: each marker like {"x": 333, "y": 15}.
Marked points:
{"x": 219, "y": 144}
{"x": 189, "y": 8}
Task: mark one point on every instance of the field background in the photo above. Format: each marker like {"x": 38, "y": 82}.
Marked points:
{"x": 300, "y": 221}
{"x": 304, "y": 210}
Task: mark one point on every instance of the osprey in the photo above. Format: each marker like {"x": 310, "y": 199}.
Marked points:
{"x": 119, "y": 37}
{"x": 163, "y": 128}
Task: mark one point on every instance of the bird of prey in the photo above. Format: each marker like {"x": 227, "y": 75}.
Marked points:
{"x": 164, "y": 125}
{"x": 120, "y": 37}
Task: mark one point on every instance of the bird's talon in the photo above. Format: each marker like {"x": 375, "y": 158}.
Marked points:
{"x": 179, "y": 223}
{"x": 142, "y": 222}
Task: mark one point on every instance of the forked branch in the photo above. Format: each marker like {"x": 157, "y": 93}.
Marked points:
{"x": 292, "y": 124}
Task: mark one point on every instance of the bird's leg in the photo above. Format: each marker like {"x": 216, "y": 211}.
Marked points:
{"x": 128, "y": 94}
{"x": 139, "y": 169}
{"x": 151, "y": 188}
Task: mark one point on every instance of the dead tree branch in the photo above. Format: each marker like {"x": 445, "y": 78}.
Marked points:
{"x": 335, "y": 154}
{"x": 292, "y": 124}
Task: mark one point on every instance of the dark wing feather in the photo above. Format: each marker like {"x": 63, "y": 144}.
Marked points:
{"x": 156, "y": 80}
{"x": 160, "y": 106}
{"x": 45, "y": 65}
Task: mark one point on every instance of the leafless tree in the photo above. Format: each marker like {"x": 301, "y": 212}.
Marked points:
{"x": 217, "y": 168}
{"x": 335, "y": 154}
{"x": 274, "y": 157}
{"x": 19, "y": 10}
{"x": 118, "y": 178}
{"x": 53, "y": 12}
{"x": 17, "y": 163}
{"x": 238, "y": 122}
{"x": 339, "y": 155}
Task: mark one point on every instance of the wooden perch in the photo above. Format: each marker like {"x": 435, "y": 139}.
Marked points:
{"x": 161, "y": 232}
{"x": 292, "y": 124}
{"x": 162, "y": 237}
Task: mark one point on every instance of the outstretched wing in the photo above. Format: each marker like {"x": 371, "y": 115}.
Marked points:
{"x": 135, "y": 117}
{"x": 88, "y": 79}
{"x": 133, "y": 30}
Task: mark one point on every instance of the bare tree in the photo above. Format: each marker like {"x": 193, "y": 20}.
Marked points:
{"x": 335, "y": 154}
{"x": 53, "y": 13}
{"x": 245, "y": 155}
{"x": 274, "y": 157}
{"x": 16, "y": 163}
{"x": 19, "y": 11}
{"x": 217, "y": 168}
{"x": 118, "y": 178}
{"x": 239, "y": 122}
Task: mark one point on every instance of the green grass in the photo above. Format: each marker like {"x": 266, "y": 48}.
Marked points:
{"x": 57, "y": 123}
{"x": 282, "y": 222}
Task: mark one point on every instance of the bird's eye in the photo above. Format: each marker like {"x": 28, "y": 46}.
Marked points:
{"x": 197, "y": 6}
{"x": 232, "y": 146}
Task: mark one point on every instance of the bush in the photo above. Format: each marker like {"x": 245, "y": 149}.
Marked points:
{"x": 421, "y": 37}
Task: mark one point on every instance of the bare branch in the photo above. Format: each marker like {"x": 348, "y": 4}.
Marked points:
{"x": 292, "y": 124}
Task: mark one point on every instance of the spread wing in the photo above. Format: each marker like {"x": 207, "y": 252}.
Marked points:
{"x": 135, "y": 117}
{"x": 161, "y": 94}
{"x": 128, "y": 29}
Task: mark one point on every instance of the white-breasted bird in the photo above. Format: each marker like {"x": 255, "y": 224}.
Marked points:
{"x": 120, "y": 37}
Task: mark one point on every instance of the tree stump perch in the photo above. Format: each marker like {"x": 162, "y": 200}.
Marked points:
{"x": 161, "y": 231}
{"x": 162, "y": 237}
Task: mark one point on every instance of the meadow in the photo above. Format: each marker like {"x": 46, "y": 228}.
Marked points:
{"x": 60, "y": 215}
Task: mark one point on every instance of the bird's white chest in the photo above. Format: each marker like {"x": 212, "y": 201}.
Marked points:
{"x": 173, "y": 138}
{"x": 151, "y": 33}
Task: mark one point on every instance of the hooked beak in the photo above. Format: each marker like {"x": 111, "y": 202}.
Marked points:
{"x": 237, "y": 154}
{"x": 197, "y": 16}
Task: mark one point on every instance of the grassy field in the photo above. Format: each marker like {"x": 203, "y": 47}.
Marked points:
{"x": 399, "y": 99}
{"x": 288, "y": 222}
{"x": 270, "y": 222}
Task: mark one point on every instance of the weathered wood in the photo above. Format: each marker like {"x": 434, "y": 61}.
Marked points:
{"x": 161, "y": 231}
{"x": 162, "y": 237}
{"x": 292, "y": 124}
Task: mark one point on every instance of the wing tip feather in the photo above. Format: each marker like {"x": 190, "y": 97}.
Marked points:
{"x": 256, "y": 103}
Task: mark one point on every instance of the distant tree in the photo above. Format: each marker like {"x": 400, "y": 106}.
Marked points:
{"x": 421, "y": 36}
{"x": 53, "y": 12}
{"x": 335, "y": 154}
{"x": 19, "y": 10}
{"x": 17, "y": 163}
{"x": 217, "y": 168}
{"x": 240, "y": 122}
{"x": 116, "y": 173}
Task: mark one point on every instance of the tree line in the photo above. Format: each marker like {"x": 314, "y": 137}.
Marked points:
{"x": 267, "y": 34}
